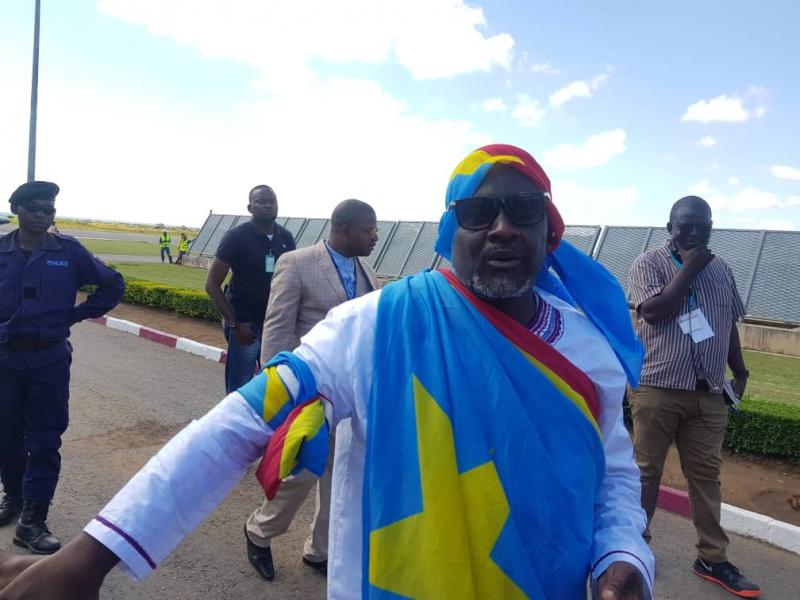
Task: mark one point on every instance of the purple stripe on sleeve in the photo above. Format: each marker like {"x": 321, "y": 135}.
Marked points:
{"x": 128, "y": 539}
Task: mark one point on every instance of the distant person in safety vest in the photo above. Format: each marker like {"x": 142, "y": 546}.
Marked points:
{"x": 183, "y": 248}
{"x": 164, "y": 241}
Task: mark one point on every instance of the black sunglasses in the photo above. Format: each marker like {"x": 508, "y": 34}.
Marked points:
{"x": 47, "y": 209}
{"x": 523, "y": 209}
{"x": 701, "y": 228}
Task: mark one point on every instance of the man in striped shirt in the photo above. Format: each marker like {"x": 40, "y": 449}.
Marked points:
{"x": 688, "y": 306}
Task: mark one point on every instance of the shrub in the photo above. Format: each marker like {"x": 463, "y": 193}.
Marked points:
{"x": 760, "y": 427}
{"x": 766, "y": 428}
{"x": 191, "y": 303}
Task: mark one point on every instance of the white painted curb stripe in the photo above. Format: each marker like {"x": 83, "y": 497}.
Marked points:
{"x": 204, "y": 350}
{"x": 123, "y": 325}
{"x": 762, "y": 527}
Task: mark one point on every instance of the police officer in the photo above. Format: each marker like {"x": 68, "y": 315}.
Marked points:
{"x": 40, "y": 274}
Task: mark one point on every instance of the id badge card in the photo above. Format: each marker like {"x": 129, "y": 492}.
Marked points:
{"x": 696, "y": 325}
{"x": 269, "y": 265}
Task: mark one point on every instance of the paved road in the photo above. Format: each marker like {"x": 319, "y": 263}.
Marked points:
{"x": 130, "y": 395}
{"x": 100, "y": 235}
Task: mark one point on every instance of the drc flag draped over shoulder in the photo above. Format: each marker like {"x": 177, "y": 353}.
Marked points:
{"x": 484, "y": 456}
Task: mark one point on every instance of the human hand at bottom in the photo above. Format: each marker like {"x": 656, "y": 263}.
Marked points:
{"x": 75, "y": 572}
{"x": 12, "y": 565}
{"x": 621, "y": 581}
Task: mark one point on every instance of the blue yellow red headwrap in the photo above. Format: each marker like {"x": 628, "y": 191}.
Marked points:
{"x": 566, "y": 272}
{"x": 470, "y": 173}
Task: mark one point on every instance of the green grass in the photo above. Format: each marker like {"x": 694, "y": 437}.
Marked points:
{"x": 180, "y": 277}
{"x": 91, "y": 225}
{"x": 773, "y": 378}
{"x": 123, "y": 248}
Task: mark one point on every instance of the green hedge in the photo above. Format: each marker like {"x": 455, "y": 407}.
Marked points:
{"x": 766, "y": 428}
{"x": 760, "y": 427}
{"x": 191, "y": 303}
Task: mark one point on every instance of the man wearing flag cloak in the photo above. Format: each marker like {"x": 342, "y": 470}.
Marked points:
{"x": 481, "y": 451}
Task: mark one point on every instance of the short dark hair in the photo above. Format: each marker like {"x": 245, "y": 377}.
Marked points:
{"x": 688, "y": 201}
{"x": 258, "y": 188}
{"x": 351, "y": 211}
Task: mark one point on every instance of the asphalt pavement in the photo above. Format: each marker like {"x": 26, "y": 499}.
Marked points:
{"x": 129, "y": 396}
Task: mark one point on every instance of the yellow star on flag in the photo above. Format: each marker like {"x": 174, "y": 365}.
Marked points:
{"x": 444, "y": 551}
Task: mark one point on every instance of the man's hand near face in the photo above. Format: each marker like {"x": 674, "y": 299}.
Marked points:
{"x": 697, "y": 258}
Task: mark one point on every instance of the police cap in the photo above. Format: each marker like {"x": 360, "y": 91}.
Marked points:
{"x": 34, "y": 190}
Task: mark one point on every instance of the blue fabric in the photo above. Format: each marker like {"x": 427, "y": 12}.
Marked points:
{"x": 502, "y": 409}
{"x": 47, "y": 284}
{"x": 34, "y": 412}
{"x": 242, "y": 361}
{"x": 588, "y": 285}
{"x": 346, "y": 266}
{"x": 313, "y": 454}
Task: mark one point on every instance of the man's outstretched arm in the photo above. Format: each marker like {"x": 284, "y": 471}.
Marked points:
{"x": 170, "y": 496}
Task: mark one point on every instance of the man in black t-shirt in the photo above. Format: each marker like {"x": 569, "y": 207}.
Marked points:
{"x": 250, "y": 250}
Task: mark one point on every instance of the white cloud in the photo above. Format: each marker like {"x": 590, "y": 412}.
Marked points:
{"x": 545, "y": 68}
{"x": 528, "y": 112}
{"x": 745, "y": 200}
{"x": 785, "y": 172}
{"x": 724, "y": 108}
{"x": 281, "y": 39}
{"x": 750, "y": 199}
{"x": 793, "y": 201}
{"x": 733, "y": 181}
{"x": 577, "y": 89}
{"x": 594, "y": 151}
{"x": 583, "y": 205}
{"x": 494, "y": 105}
{"x": 172, "y": 163}
{"x": 708, "y": 141}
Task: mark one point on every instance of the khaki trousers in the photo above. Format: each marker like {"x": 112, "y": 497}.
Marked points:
{"x": 696, "y": 422}
{"x": 274, "y": 517}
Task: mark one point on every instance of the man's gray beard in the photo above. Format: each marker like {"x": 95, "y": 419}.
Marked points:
{"x": 500, "y": 286}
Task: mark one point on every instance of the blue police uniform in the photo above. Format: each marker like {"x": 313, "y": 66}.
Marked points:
{"x": 37, "y": 307}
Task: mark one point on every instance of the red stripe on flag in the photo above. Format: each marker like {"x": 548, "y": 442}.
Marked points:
{"x": 533, "y": 345}
{"x": 268, "y": 473}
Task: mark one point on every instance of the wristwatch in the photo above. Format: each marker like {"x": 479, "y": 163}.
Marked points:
{"x": 232, "y": 324}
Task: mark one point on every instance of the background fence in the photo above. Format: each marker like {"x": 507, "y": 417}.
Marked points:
{"x": 766, "y": 264}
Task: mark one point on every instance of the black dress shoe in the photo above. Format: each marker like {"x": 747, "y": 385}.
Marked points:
{"x": 320, "y": 567}
{"x": 260, "y": 558}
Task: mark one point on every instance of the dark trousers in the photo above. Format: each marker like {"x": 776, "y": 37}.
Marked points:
{"x": 165, "y": 250}
{"x": 33, "y": 414}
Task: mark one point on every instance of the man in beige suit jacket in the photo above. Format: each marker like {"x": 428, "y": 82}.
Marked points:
{"x": 306, "y": 285}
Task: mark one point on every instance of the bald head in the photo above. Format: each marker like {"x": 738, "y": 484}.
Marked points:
{"x": 694, "y": 203}
{"x": 352, "y": 211}
{"x": 354, "y": 229}
{"x": 690, "y": 223}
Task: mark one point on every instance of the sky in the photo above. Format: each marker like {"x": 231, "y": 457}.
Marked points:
{"x": 159, "y": 111}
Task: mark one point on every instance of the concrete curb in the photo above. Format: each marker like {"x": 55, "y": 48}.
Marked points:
{"x": 737, "y": 520}
{"x": 167, "y": 339}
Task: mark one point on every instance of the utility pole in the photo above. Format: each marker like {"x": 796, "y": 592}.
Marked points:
{"x": 34, "y": 99}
